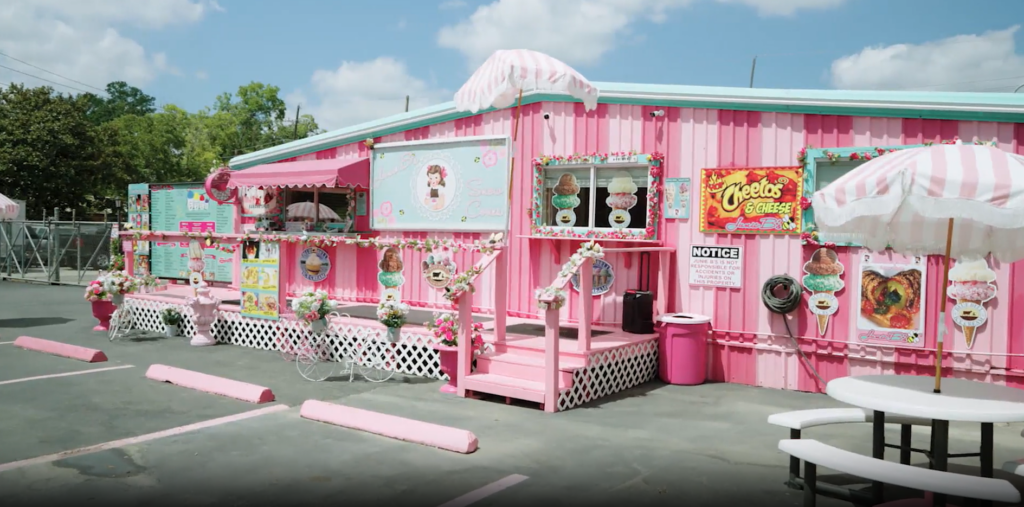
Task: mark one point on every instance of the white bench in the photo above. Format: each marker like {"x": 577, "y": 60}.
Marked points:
{"x": 815, "y": 454}
{"x": 799, "y": 420}
{"x": 1015, "y": 467}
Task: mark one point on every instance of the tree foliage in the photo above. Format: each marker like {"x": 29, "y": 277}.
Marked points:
{"x": 82, "y": 151}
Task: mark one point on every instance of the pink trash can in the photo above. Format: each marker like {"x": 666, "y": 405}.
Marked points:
{"x": 683, "y": 348}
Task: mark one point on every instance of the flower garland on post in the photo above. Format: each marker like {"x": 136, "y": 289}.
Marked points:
{"x": 589, "y": 250}
{"x": 461, "y": 283}
{"x": 487, "y": 246}
{"x": 556, "y": 296}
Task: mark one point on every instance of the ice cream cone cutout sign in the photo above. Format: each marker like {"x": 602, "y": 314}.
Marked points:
{"x": 971, "y": 286}
{"x": 390, "y": 275}
{"x": 566, "y": 199}
{"x": 621, "y": 198}
{"x": 823, "y": 281}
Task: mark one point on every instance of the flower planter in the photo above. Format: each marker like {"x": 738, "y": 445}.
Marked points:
{"x": 394, "y": 333}
{"x": 449, "y": 366}
{"x": 102, "y": 310}
{"x": 318, "y": 326}
{"x": 170, "y": 331}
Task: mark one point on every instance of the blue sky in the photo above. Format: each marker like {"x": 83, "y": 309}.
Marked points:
{"x": 348, "y": 61}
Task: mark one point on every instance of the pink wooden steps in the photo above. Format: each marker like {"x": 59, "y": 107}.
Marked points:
{"x": 517, "y": 372}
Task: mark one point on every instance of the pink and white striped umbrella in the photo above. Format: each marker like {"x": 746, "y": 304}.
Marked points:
{"x": 8, "y": 208}
{"x": 905, "y": 200}
{"x": 302, "y": 210}
{"x": 499, "y": 81}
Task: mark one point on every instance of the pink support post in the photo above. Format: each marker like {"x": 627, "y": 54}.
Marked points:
{"x": 586, "y": 311}
{"x": 664, "y": 285}
{"x": 465, "y": 339}
{"x": 500, "y": 296}
{"x": 551, "y": 339}
{"x": 129, "y": 257}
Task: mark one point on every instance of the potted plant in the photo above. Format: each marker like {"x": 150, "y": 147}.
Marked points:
{"x": 172, "y": 318}
{"x": 445, "y": 327}
{"x": 148, "y": 283}
{"x": 392, "y": 315}
{"x": 117, "y": 284}
{"x": 102, "y": 308}
{"x": 312, "y": 308}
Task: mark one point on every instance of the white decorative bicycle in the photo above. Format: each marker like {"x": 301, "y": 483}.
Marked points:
{"x": 314, "y": 357}
{"x": 121, "y": 320}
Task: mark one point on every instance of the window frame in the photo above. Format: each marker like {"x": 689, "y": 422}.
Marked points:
{"x": 594, "y": 162}
{"x": 811, "y": 158}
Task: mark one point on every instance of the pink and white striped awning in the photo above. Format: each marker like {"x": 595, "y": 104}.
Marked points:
{"x": 905, "y": 199}
{"x": 498, "y": 82}
{"x": 8, "y": 208}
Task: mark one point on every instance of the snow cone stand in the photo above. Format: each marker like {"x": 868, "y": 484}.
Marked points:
{"x": 449, "y": 241}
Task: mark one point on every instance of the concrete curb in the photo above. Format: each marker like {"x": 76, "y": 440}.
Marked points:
{"x": 210, "y": 384}
{"x": 399, "y": 428}
{"x": 60, "y": 349}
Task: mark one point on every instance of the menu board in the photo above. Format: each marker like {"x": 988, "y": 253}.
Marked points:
{"x": 260, "y": 279}
{"x": 138, "y": 217}
{"x": 187, "y": 208}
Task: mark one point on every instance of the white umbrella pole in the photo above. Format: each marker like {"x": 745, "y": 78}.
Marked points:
{"x": 942, "y": 311}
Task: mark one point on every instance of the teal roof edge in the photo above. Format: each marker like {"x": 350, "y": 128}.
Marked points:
{"x": 990, "y": 107}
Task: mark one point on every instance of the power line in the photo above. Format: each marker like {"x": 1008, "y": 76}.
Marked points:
{"x": 44, "y": 79}
{"x": 970, "y": 82}
{"x": 51, "y": 72}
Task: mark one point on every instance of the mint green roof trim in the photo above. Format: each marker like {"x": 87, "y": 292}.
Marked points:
{"x": 992, "y": 107}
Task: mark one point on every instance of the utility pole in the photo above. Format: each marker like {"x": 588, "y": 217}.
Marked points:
{"x": 296, "y": 134}
{"x": 753, "y": 66}
{"x": 407, "y": 103}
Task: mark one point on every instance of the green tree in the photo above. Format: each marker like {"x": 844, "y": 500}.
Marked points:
{"x": 49, "y": 150}
{"x": 256, "y": 118}
{"x": 122, "y": 99}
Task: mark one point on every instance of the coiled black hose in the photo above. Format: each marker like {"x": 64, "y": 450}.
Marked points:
{"x": 782, "y": 294}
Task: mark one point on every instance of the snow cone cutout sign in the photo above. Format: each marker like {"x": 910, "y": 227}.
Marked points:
{"x": 621, "y": 198}
{"x": 565, "y": 200}
{"x": 823, "y": 281}
{"x": 971, "y": 286}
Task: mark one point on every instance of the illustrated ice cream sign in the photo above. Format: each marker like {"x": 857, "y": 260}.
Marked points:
{"x": 971, "y": 285}
{"x": 823, "y": 281}
{"x": 565, "y": 200}
{"x": 762, "y": 200}
{"x": 621, "y": 198}
{"x": 390, "y": 275}
{"x": 314, "y": 264}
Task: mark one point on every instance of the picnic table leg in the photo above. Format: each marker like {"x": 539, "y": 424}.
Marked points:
{"x": 940, "y": 454}
{"x": 905, "y": 443}
{"x": 986, "y": 455}
{"x": 878, "y": 452}
{"x": 810, "y": 484}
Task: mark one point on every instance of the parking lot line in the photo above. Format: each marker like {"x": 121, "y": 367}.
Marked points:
{"x": 484, "y": 492}
{"x": 55, "y": 375}
{"x": 6, "y": 343}
{"x": 143, "y": 438}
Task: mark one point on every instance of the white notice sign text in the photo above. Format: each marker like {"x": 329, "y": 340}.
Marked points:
{"x": 716, "y": 266}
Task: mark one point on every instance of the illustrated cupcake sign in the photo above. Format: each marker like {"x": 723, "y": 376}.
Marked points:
{"x": 314, "y": 264}
{"x": 621, "y": 198}
{"x": 971, "y": 285}
{"x": 823, "y": 280}
{"x": 565, "y": 200}
{"x": 390, "y": 275}
{"x": 438, "y": 269}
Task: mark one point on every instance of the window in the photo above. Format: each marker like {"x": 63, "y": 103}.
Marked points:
{"x": 824, "y": 166}
{"x": 333, "y": 214}
{"x": 595, "y": 198}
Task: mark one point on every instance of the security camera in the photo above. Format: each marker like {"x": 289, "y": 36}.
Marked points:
{"x": 655, "y": 114}
{"x": 547, "y": 116}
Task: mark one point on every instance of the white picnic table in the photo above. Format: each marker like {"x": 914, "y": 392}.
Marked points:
{"x": 910, "y": 395}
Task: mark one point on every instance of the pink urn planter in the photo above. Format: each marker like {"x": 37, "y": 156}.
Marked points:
{"x": 102, "y": 310}
{"x": 449, "y": 366}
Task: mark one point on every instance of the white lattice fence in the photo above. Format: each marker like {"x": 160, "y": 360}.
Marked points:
{"x": 412, "y": 354}
{"x": 610, "y": 372}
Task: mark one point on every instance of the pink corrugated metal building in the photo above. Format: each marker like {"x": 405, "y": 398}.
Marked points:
{"x": 697, "y": 128}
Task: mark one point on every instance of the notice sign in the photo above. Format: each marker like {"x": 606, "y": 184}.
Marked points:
{"x": 716, "y": 266}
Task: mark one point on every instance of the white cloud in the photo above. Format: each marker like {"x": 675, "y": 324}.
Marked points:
{"x": 961, "y": 63}
{"x": 785, "y": 7}
{"x": 452, "y": 4}
{"x": 357, "y": 92}
{"x": 578, "y": 32}
{"x": 80, "y": 39}
{"x": 202, "y": 75}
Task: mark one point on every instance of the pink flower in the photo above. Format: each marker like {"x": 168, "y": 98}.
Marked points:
{"x": 805, "y": 203}
{"x": 830, "y": 245}
{"x": 854, "y": 156}
{"x": 806, "y": 236}
{"x": 867, "y": 156}
{"x": 655, "y": 171}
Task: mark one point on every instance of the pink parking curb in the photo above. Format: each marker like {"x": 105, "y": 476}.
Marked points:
{"x": 399, "y": 428}
{"x": 60, "y": 349}
{"x": 210, "y": 384}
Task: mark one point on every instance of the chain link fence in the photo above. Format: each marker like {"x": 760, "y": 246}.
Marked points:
{"x": 54, "y": 252}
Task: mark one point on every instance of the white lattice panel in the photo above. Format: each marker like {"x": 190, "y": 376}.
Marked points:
{"x": 412, "y": 354}
{"x": 610, "y": 372}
